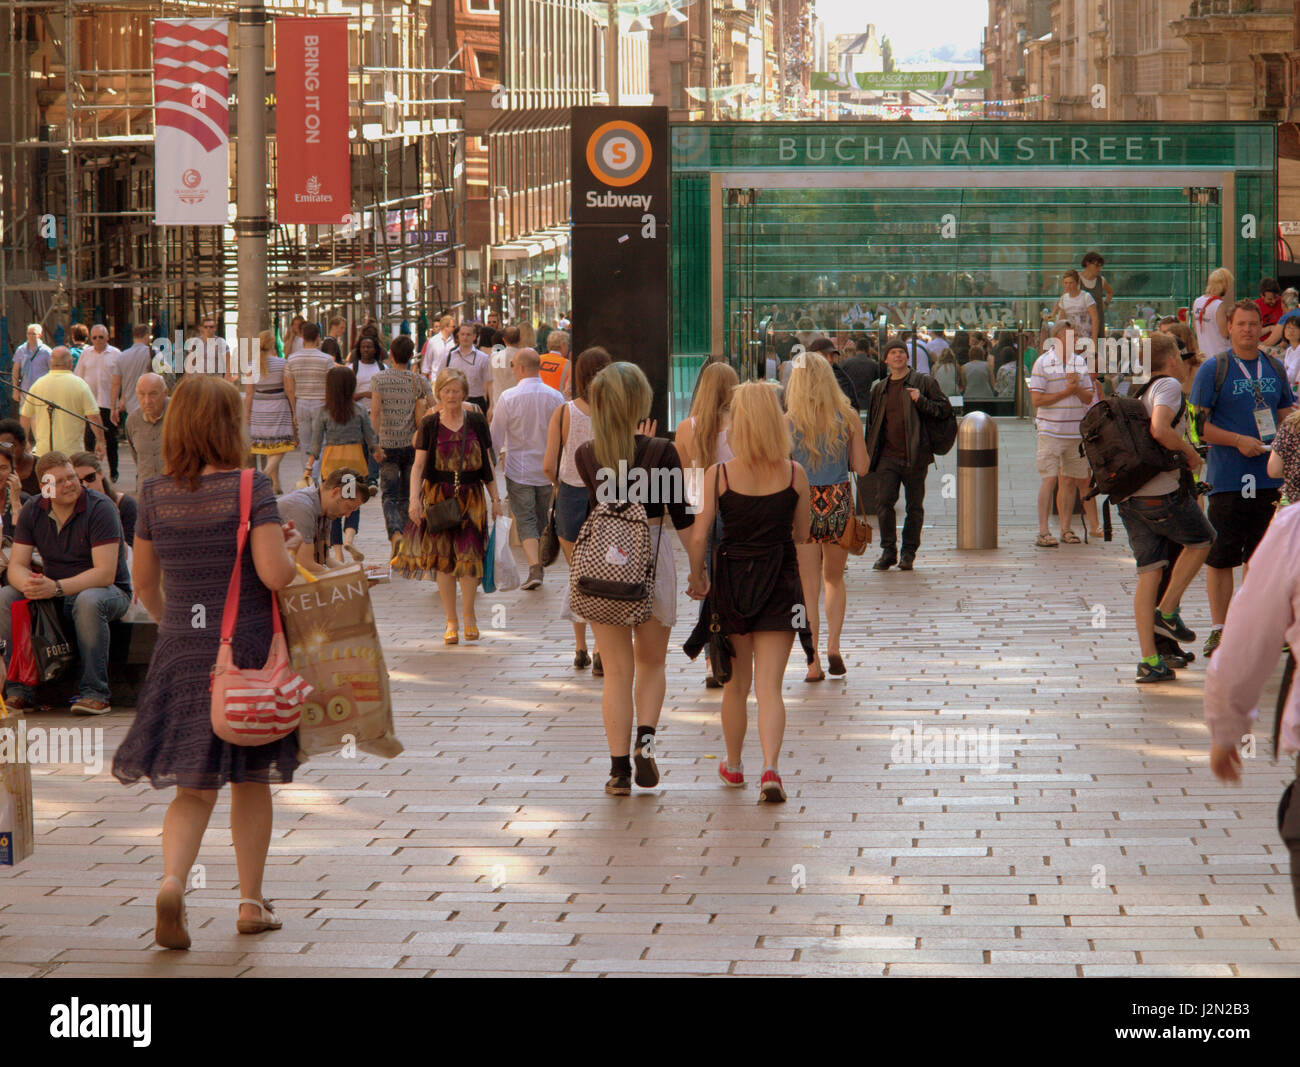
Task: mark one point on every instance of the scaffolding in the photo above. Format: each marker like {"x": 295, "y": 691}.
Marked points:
{"x": 77, "y": 238}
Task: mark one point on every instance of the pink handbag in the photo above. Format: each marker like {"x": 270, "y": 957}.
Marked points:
{"x": 253, "y": 707}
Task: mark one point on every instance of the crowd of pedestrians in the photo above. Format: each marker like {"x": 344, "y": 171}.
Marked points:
{"x": 762, "y": 487}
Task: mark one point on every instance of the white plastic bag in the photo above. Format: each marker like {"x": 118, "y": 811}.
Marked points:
{"x": 505, "y": 572}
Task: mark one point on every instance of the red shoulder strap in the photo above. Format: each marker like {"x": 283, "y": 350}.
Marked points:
{"x": 231, "y": 611}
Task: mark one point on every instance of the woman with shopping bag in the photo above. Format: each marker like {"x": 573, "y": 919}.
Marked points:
{"x": 186, "y": 543}
{"x": 450, "y": 478}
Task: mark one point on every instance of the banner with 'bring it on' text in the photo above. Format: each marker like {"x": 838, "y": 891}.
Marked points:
{"x": 191, "y": 84}
{"x": 314, "y": 178}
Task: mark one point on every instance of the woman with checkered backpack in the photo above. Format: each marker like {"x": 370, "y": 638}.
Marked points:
{"x": 623, "y": 578}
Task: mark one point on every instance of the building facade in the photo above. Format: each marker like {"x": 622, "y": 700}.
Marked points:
{"x": 78, "y": 242}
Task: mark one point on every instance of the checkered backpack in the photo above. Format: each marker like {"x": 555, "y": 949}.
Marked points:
{"x": 612, "y": 573}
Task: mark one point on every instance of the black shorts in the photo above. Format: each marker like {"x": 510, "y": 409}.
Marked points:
{"x": 1240, "y": 524}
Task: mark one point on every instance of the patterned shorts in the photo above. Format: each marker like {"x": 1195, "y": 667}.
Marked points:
{"x": 831, "y": 506}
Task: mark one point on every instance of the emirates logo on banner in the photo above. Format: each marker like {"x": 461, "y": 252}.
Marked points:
{"x": 312, "y": 120}
{"x": 191, "y": 194}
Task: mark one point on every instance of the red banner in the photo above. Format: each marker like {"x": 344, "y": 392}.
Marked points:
{"x": 313, "y": 169}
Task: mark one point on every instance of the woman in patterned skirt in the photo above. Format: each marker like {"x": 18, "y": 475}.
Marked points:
{"x": 828, "y": 441}
{"x": 453, "y": 457}
{"x": 271, "y": 421}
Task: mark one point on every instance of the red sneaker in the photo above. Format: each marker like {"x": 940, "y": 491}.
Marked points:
{"x": 735, "y": 779}
{"x": 770, "y": 788}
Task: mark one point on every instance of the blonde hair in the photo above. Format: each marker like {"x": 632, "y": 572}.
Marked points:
{"x": 266, "y": 349}
{"x": 1219, "y": 282}
{"x": 713, "y": 394}
{"x": 759, "y": 434}
{"x": 819, "y": 411}
{"x": 620, "y": 397}
{"x": 445, "y": 377}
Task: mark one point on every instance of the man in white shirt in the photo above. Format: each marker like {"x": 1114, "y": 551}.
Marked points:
{"x": 435, "y": 348}
{"x": 208, "y": 353}
{"x": 474, "y": 363}
{"x": 134, "y": 362}
{"x": 920, "y": 356}
{"x": 1060, "y": 388}
{"x": 520, "y": 420}
{"x": 1077, "y": 307}
{"x": 31, "y": 361}
{"x": 97, "y": 366}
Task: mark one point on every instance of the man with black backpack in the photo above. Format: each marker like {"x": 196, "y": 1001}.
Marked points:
{"x": 909, "y": 422}
{"x": 1162, "y": 513}
{"x": 1243, "y": 396}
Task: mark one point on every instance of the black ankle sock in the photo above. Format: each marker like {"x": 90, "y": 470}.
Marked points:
{"x": 620, "y": 766}
{"x": 641, "y": 732}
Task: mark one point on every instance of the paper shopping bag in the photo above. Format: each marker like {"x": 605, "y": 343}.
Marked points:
{"x": 330, "y": 625}
{"x": 17, "y": 832}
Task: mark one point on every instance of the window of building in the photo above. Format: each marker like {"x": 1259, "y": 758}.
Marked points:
{"x": 483, "y": 7}
{"x": 488, "y": 65}
{"x": 677, "y": 98}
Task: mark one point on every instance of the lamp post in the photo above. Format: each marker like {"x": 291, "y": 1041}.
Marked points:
{"x": 251, "y": 221}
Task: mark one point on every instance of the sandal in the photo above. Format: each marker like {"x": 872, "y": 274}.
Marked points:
{"x": 1070, "y": 538}
{"x": 355, "y": 553}
{"x": 1046, "y": 541}
{"x": 836, "y": 663}
{"x": 169, "y": 910}
{"x": 451, "y": 637}
{"x": 1097, "y": 533}
{"x": 471, "y": 631}
{"x": 266, "y": 919}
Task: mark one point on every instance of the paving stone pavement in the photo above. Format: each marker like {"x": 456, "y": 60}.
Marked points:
{"x": 1099, "y": 845}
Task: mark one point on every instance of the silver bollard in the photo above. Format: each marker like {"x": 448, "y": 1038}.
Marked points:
{"x": 977, "y": 482}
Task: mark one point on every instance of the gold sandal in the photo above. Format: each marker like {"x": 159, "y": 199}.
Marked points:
{"x": 451, "y": 637}
{"x": 471, "y": 631}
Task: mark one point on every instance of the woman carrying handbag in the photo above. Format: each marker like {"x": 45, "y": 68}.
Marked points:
{"x": 757, "y": 600}
{"x": 186, "y": 543}
{"x": 448, "y": 533}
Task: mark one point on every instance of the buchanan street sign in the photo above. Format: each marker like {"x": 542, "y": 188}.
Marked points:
{"x": 921, "y": 81}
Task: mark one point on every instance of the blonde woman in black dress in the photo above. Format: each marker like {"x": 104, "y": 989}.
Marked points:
{"x": 763, "y": 497}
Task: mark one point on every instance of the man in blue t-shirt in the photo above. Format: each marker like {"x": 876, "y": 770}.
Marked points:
{"x": 1240, "y": 423}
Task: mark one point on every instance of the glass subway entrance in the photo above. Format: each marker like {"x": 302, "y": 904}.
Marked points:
{"x": 784, "y": 232}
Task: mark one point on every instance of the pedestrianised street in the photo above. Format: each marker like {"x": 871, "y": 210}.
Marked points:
{"x": 1081, "y": 834}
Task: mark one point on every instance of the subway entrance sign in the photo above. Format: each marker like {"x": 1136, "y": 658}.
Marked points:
{"x": 842, "y": 225}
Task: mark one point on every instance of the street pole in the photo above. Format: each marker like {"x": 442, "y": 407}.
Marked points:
{"x": 251, "y": 221}
{"x": 709, "y": 60}
{"x": 611, "y": 53}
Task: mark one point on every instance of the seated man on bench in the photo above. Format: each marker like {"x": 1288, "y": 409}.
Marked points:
{"x": 78, "y": 534}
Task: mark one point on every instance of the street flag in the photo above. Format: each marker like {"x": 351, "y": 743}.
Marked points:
{"x": 191, "y": 83}
{"x": 314, "y": 176}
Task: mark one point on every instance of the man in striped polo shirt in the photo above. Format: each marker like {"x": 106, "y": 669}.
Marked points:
{"x": 1061, "y": 390}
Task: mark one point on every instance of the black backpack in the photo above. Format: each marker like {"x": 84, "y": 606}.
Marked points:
{"x": 941, "y": 433}
{"x": 1119, "y": 447}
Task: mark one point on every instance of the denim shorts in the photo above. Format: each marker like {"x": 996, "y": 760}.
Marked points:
{"x": 571, "y": 508}
{"x": 1153, "y": 523}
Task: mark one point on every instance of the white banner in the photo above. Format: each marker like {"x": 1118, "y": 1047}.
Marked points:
{"x": 191, "y": 82}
